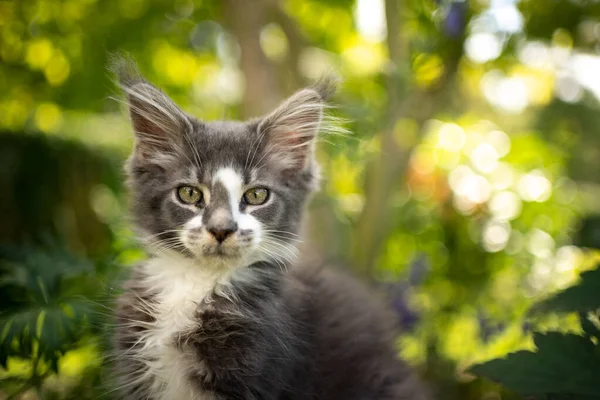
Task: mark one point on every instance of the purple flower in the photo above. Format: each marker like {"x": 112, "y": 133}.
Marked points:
{"x": 418, "y": 270}
{"x": 408, "y": 318}
{"x": 487, "y": 327}
{"x": 454, "y": 23}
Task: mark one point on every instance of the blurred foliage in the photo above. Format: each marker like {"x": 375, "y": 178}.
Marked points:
{"x": 467, "y": 191}
{"x": 57, "y": 187}
{"x": 47, "y": 306}
{"x": 564, "y": 365}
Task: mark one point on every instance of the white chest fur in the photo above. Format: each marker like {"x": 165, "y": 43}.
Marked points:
{"x": 180, "y": 286}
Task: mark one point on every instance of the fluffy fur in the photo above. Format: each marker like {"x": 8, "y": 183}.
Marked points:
{"x": 223, "y": 309}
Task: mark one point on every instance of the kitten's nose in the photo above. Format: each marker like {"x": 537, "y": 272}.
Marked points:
{"x": 222, "y": 232}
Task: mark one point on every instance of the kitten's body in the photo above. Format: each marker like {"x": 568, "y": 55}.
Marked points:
{"x": 310, "y": 333}
{"x": 223, "y": 310}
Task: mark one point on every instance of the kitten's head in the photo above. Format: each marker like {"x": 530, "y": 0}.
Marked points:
{"x": 228, "y": 193}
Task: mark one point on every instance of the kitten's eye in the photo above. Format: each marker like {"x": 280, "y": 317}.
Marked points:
{"x": 256, "y": 196}
{"x": 189, "y": 194}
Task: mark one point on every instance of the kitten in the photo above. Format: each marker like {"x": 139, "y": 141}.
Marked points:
{"x": 222, "y": 309}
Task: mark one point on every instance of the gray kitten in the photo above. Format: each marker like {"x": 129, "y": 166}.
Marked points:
{"x": 222, "y": 309}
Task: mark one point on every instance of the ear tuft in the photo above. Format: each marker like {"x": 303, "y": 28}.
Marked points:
{"x": 291, "y": 130}
{"x": 327, "y": 85}
{"x": 159, "y": 125}
{"x": 124, "y": 69}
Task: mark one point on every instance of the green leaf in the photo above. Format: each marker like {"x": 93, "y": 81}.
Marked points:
{"x": 564, "y": 364}
{"x": 588, "y": 234}
{"x": 590, "y": 323}
{"x": 582, "y": 297}
{"x": 49, "y": 303}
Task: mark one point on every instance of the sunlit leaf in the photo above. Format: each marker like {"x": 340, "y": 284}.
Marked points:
{"x": 563, "y": 364}
{"x": 581, "y": 297}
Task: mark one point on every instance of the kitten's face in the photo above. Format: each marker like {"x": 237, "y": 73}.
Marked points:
{"x": 222, "y": 199}
{"x": 225, "y": 193}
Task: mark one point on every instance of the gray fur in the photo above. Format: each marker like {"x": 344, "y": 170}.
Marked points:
{"x": 280, "y": 328}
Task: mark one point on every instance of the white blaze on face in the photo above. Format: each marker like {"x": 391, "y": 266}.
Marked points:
{"x": 232, "y": 181}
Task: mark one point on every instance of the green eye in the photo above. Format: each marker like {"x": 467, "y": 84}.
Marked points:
{"x": 256, "y": 196}
{"x": 189, "y": 194}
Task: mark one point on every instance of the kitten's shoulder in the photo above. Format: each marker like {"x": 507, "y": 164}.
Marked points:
{"x": 339, "y": 291}
{"x": 352, "y": 330}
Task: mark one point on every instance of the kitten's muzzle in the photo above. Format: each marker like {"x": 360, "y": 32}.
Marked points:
{"x": 222, "y": 233}
{"x": 220, "y": 223}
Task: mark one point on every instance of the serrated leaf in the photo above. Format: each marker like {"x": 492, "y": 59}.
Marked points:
{"x": 589, "y": 232}
{"x": 590, "y": 323}
{"x": 563, "y": 364}
{"x": 48, "y": 310}
{"x": 582, "y": 297}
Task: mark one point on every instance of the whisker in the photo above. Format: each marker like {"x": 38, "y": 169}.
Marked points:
{"x": 278, "y": 231}
{"x": 285, "y": 248}
{"x": 162, "y": 233}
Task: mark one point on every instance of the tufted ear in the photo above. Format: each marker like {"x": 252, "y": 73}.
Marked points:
{"x": 158, "y": 124}
{"x": 291, "y": 130}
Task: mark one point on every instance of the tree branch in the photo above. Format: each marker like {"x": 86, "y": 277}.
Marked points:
{"x": 384, "y": 174}
{"x": 245, "y": 20}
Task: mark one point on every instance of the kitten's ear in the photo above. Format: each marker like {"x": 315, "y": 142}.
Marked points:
{"x": 158, "y": 124}
{"x": 292, "y": 128}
